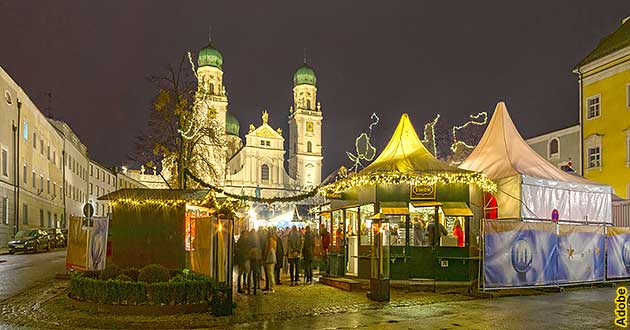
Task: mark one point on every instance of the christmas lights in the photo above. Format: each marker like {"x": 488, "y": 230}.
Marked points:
{"x": 363, "y": 146}
{"x": 430, "y": 143}
{"x": 358, "y": 180}
{"x": 474, "y": 121}
{"x": 228, "y": 207}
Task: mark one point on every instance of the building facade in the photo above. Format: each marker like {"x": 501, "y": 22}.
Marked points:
{"x": 257, "y": 165}
{"x": 561, "y": 148}
{"x": 102, "y": 181}
{"x": 31, "y": 164}
{"x": 604, "y": 83}
{"x": 75, "y": 163}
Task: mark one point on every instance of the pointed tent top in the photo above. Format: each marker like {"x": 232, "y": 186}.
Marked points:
{"x": 406, "y": 154}
{"x": 502, "y": 153}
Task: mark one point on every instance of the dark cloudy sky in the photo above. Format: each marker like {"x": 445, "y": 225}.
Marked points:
{"x": 421, "y": 57}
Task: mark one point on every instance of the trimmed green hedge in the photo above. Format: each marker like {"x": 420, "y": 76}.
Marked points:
{"x": 185, "y": 288}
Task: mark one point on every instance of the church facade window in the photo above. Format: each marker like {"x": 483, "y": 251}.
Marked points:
{"x": 264, "y": 172}
{"x": 309, "y": 147}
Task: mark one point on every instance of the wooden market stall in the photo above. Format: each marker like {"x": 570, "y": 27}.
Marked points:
{"x": 412, "y": 188}
{"x": 176, "y": 228}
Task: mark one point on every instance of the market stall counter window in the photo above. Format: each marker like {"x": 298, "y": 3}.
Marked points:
{"x": 454, "y": 217}
{"x": 366, "y": 211}
{"x": 421, "y": 214}
{"x": 336, "y": 231}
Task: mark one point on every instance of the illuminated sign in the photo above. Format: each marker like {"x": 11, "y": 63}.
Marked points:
{"x": 422, "y": 192}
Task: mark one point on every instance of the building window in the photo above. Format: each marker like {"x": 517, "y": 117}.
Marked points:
{"x": 48, "y": 186}
{"x": 5, "y": 210}
{"x": 41, "y": 183}
{"x": 41, "y": 218}
{"x": 48, "y": 152}
{"x": 309, "y": 147}
{"x": 25, "y": 214}
{"x": 25, "y": 131}
{"x": 50, "y": 225}
{"x": 211, "y": 89}
{"x": 262, "y": 143}
{"x": 594, "y": 157}
{"x": 25, "y": 174}
{"x": 34, "y": 141}
{"x": 264, "y": 172}
{"x": 593, "y": 107}
{"x": 41, "y": 146}
{"x": 91, "y": 170}
{"x": 5, "y": 162}
{"x": 34, "y": 179}
{"x": 268, "y": 143}
{"x": 308, "y": 104}
{"x": 91, "y": 189}
{"x": 554, "y": 148}
{"x": 54, "y": 157}
{"x": 54, "y": 189}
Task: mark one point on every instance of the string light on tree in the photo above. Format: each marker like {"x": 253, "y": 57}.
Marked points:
{"x": 475, "y": 121}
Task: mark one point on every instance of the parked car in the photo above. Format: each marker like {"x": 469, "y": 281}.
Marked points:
{"x": 56, "y": 237}
{"x": 30, "y": 240}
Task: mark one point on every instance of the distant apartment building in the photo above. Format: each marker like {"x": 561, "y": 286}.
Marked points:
{"x": 561, "y": 148}
{"x": 604, "y": 89}
{"x": 148, "y": 178}
{"x": 102, "y": 181}
{"x": 31, "y": 164}
{"x": 75, "y": 163}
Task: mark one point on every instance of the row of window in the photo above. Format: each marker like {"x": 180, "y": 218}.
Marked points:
{"x": 100, "y": 174}
{"x": 99, "y": 191}
{"x": 46, "y": 218}
{"x": 594, "y": 150}
{"x": 594, "y": 104}
{"x": 50, "y": 153}
{"x": 77, "y": 168}
{"x": 75, "y": 193}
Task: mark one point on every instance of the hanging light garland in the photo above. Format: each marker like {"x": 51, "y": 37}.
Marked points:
{"x": 367, "y": 152}
{"x": 247, "y": 198}
{"x": 227, "y": 207}
{"x": 354, "y": 181}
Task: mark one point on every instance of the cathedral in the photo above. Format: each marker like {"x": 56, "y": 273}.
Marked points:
{"x": 255, "y": 165}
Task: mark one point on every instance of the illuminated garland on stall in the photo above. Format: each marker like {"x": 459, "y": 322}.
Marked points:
{"x": 246, "y": 198}
{"x": 228, "y": 207}
{"x": 353, "y": 181}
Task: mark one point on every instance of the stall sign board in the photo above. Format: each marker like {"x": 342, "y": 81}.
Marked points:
{"x": 422, "y": 192}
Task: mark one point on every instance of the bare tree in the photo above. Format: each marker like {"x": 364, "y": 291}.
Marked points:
{"x": 182, "y": 129}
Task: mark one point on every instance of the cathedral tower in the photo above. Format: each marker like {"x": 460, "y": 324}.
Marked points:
{"x": 211, "y": 90}
{"x": 305, "y": 130}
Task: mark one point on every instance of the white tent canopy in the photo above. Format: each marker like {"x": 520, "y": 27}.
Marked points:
{"x": 529, "y": 187}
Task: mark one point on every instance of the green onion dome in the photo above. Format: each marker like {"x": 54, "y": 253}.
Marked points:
{"x": 304, "y": 75}
{"x": 232, "y": 126}
{"x": 210, "y": 56}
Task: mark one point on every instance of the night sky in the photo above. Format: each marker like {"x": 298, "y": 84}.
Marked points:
{"x": 450, "y": 57}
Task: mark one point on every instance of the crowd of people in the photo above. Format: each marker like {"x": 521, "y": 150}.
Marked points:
{"x": 262, "y": 255}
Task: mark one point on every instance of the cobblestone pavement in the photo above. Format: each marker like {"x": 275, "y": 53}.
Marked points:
{"x": 47, "y": 306}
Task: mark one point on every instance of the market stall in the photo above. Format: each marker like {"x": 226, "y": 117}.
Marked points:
{"x": 543, "y": 226}
{"x": 412, "y": 189}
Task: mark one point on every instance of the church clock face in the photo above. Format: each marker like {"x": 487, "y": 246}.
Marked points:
{"x": 309, "y": 126}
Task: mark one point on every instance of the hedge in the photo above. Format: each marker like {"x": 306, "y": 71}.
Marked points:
{"x": 188, "y": 288}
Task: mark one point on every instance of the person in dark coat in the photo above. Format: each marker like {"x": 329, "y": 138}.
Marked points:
{"x": 279, "y": 260}
{"x": 325, "y": 244}
{"x": 240, "y": 256}
{"x": 307, "y": 254}
{"x": 294, "y": 246}
{"x": 255, "y": 258}
{"x": 441, "y": 232}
